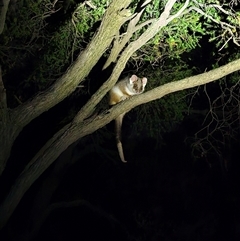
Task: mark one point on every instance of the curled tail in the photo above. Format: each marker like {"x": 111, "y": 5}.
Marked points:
{"x": 118, "y": 127}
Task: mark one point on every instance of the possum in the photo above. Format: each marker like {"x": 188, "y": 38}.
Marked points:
{"x": 124, "y": 89}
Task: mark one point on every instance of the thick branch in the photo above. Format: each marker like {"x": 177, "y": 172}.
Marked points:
{"x": 76, "y": 130}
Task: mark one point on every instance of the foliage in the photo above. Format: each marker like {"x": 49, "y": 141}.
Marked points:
{"x": 180, "y": 37}
{"x": 23, "y": 34}
{"x": 86, "y": 16}
{"x": 175, "y": 39}
{"x": 222, "y": 15}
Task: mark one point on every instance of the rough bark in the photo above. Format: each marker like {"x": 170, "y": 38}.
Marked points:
{"x": 78, "y": 129}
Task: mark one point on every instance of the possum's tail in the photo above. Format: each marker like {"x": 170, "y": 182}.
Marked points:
{"x": 120, "y": 151}
{"x": 118, "y": 129}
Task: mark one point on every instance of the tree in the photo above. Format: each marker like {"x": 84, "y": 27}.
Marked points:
{"x": 123, "y": 47}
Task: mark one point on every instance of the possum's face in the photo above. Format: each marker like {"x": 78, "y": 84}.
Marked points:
{"x": 137, "y": 84}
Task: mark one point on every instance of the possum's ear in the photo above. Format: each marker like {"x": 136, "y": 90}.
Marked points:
{"x": 144, "y": 81}
{"x": 133, "y": 78}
